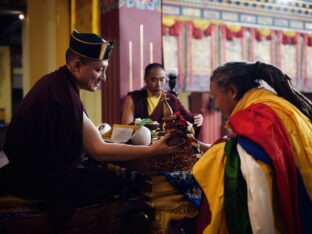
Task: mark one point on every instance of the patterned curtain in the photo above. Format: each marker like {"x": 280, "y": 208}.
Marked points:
{"x": 200, "y": 57}
{"x": 233, "y": 43}
{"x": 261, "y": 46}
{"x": 173, "y": 50}
{"x": 307, "y": 63}
{"x": 288, "y": 54}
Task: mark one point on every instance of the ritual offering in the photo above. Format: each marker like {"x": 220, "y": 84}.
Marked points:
{"x": 177, "y": 126}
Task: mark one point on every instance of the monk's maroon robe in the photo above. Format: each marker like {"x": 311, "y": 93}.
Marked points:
{"x": 140, "y": 111}
{"x": 44, "y": 144}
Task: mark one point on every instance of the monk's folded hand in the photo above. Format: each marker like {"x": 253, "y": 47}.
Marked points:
{"x": 230, "y": 133}
{"x": 198, "y": 120}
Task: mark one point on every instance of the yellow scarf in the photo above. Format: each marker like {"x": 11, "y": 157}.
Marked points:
{"x": 152, "y": 102}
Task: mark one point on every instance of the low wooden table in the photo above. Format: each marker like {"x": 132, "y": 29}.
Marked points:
{"x": 167, "y": 202}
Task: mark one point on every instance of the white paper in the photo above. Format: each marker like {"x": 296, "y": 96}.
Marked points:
{"x": 3, "y": 159}
{"x": 121, "y": 134}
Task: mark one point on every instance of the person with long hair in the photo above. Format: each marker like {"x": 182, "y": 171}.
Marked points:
{"x": 258, "y": 180}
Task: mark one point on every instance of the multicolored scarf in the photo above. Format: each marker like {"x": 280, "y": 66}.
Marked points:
{"x": 285, "y": 134}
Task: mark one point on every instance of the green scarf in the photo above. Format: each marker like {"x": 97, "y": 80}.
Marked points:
{"x": 235, "y": 192}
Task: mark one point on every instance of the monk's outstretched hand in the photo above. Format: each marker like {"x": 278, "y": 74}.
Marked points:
{"x": 161, "y": 147}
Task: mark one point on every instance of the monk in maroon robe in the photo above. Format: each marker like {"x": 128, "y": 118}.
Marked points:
{"x": 137, "y": 103}
{"x": 51, "y": 132}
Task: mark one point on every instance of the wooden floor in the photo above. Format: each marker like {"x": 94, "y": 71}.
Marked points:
{"x": 110, "y": 217}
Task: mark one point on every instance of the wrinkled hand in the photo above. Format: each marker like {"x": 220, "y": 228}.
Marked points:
{"x": 161, "y": 147}
{"x": 198, "y": 120}
{"x": 191, "y": 137}
{"x": 230, "y": 133}
{"x": 203, "y": 146}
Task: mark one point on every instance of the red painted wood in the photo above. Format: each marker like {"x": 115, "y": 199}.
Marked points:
{"x": 211, "y": 129}
{"x": 123, "y": 25}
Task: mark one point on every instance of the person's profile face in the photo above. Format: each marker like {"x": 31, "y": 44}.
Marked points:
{"x": 92, "y": 74}
{"x": 156, "y": 81}
{"x": 225, "y": 99}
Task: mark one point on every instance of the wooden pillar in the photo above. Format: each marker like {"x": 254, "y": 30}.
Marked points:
{"x": 45, "y": 39}
{"x": 136, "y": 29}
{"x": 5, "y": 85}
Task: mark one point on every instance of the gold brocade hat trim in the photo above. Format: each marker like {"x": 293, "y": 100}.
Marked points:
{"x": 90, "y": 45}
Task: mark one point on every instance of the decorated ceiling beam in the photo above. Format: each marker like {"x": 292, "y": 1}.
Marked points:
{"x": 252, "y": 13}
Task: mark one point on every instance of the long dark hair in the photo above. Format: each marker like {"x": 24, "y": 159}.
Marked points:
{"x": 245, "y": 76}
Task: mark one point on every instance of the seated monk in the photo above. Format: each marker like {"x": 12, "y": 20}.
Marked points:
{"x": 146, "y": 103}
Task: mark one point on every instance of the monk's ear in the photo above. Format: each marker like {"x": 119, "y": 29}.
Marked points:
{"x": 233, "y": 91}
{"x": 75, "y": 65}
